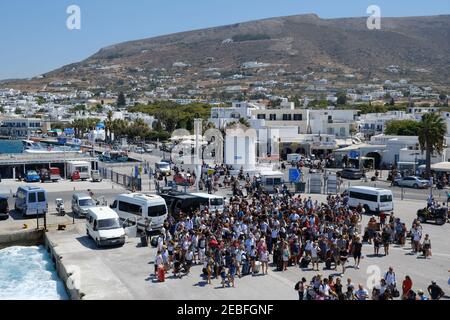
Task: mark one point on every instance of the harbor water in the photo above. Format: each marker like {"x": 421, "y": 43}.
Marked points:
{"x": 10, "y": 146}
{"x": 28, "y": 273}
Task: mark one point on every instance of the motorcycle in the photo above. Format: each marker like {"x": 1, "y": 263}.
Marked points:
{"x": 60, "y": 210}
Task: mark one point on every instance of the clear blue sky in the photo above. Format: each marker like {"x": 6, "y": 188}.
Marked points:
{"x": 34, "y": 38}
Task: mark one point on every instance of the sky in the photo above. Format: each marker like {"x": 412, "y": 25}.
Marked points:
{"x": 34, "y": 38}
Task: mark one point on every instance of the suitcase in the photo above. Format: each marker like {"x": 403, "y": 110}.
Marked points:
{"x": 280, "y": 265}
{"x": 154, "y": 242}
{"x": 245, "y": 268}
{"x": 161, "y": 274}
{"x": 328, "y": 263}
{"x": 257, "y": 267}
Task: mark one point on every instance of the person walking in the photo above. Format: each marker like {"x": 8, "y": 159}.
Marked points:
{"x": 343, "y": 258}
{"x": 426, "y": 246}
{"x": 357, "y": 248}
{"x": 300, "y": 288}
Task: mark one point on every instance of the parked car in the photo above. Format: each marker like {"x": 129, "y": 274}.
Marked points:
{"x": 81, "y": 202}
{"x": 4, "y": 208}
{"x": 412, "y": 182}
{"x": 349, "y": 173}
{"x": 139, "y": 150}
{"x": 439, "y": 215}
{"x": 96, "y": 177}
{"x": 32, "y": 176}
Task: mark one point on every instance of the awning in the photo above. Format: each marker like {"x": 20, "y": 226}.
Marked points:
{"x": 441, "y": 167}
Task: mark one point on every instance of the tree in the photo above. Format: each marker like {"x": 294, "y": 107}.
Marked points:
{"x": 2, "y": 109}
{"x": 18, "y": 111}
{"x": 108, "y": 124}
{"x": 432, "y": 132}
{"x": 341, "y": 98}
{"x": 121, "y": 101}
{"x": 402, "y": 128}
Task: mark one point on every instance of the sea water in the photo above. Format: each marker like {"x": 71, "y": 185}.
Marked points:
{"x": 28, "y": 273}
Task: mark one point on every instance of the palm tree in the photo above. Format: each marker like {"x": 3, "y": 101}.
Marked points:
{"x": 108, "y": 124}
{"x": 432, "y": 130}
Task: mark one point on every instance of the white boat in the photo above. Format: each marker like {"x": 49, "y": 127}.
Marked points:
{"x": 33, "y": 147}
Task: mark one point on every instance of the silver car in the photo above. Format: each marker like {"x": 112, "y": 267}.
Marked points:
{"x": 412, "y": 182}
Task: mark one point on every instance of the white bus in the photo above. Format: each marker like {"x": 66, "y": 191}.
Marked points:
{"x": 372, "y": 199}
{"x": 137, "y": 207}
{"x": 215, "y": 203}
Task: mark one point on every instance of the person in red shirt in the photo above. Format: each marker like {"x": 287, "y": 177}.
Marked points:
{"x": 406, "y": 287}
{"x": 382, "y": 219}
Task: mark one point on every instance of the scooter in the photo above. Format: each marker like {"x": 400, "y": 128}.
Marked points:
{"x": 60, "y": 210}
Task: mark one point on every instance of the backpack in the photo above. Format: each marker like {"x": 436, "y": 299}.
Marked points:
{"x": 297, "y": 286}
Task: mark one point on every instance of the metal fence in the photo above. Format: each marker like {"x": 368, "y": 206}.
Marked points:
{"x": 129, "y": 182}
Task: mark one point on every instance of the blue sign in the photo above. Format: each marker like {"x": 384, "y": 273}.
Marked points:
{"x": 353, "y": 154}
{"x": 294, "y": 175}
{"x": 62, "y": 141}
{"x": 69, "y": 131}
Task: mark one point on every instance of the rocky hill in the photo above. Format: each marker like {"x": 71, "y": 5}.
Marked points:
{"x": 420, "y": 46}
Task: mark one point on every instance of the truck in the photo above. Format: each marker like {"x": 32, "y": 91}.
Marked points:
{"x": 52, "y": 174}
{"x": 79, "y": 169}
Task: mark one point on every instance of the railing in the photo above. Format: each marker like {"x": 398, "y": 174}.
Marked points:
{"x": 128, "y": 182}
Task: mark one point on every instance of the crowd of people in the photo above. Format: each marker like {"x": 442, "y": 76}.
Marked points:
{"x": 256, "y": 230}
{"x": 323, "y": 288}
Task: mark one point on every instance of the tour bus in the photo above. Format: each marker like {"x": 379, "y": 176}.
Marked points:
{"x": 372, "y": 199}
{"x": 183, "y": 202}
{"x": 103, "y": 226}
{"x": 215, "y": 203}
{"x": 31, "y": 201}
{"x": 139, "y": 208}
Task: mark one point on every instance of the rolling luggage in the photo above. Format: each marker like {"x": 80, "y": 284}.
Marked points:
{"x": 154, "y": 242}
{"x": 257, "y": 267}
{"x": 161, "y": 274}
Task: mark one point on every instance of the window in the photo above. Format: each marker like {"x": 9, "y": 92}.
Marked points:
{"x": 386, "y": 198}
{"x": 130, "y": 208}
{"x": 41, "y": 196}
{"x": 216, "y": 202}
{"x": 108, "y": 224}
{"x": 364, "y": 196}
{"x": 298, "y": 117}
{"x": 157, "y": 211}
{"x": 32, "y": 197}
{"x": 261, "y": 116}
{"x": 287, "y": 117}
{"x": 114, "y": 205}
{"x": 273, "y": 117}
{"x": 342, "y": 132}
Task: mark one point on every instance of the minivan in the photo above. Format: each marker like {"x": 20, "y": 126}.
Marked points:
{"x": 81, "y": 202}
{"x": 31, "y": 201}
{"x": 141, "y": 208}
{"x": 4, "y": 208}
{"x": 103, "y": 226}
{"x": 214, "y": 203}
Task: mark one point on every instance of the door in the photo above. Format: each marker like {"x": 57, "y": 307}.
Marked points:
{"x": 32, "y": 203}
{"x": 42, "y": 202}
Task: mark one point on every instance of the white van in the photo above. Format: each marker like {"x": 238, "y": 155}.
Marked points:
{"x": 372, "y": 199}
{"x": 81, "y": 202}
{"x": 139, "y": 208}
{"x": 214, "y": 202}
{"x": 163, "y": 168}
{"x": 103, "y": 226}
{"x": 31, "y": 201}
{"x": 271, "y": 179}
{"x": 83, "y": 168}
